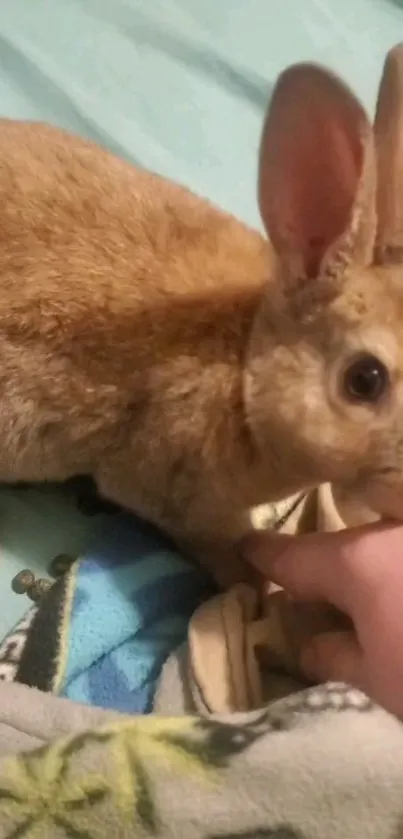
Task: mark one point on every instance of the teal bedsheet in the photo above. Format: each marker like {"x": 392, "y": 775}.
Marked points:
{"x": 178, "y": 86}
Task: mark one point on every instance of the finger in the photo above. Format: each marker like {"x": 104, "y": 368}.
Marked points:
{"x": 316, "y": 566}
{"x": 335, "y": 657}
{"x": 264, "y": 550}
{"x": 303, "y": 565}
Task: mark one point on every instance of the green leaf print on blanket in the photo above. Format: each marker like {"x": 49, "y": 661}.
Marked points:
{"x": 40, "y": 792}
{"x": 276, "y": 774}
{"x": 49, "y": 789}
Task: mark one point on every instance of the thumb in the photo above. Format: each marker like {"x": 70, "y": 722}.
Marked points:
{"x": 335, "y": 657}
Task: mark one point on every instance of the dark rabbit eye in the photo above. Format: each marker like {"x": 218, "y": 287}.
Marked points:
{"x": 365, "y": 380}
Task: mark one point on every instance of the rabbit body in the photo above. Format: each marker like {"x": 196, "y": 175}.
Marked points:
{"x": 125, "y": 309}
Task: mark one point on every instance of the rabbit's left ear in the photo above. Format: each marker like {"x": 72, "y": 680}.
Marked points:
{"x": 388, "y": 130}
{"x": 317, "y": 175}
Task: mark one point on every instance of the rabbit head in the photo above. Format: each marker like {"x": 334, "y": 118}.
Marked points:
{"x": 324, "y": 380}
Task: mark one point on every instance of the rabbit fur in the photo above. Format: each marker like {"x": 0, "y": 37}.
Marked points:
{"x": 193, "y": 367}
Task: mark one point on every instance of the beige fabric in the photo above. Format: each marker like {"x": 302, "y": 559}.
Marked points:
{"x": 235, "y": 640}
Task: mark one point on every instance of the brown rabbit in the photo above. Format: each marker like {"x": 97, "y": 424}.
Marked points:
{"x": 193, "y": 369}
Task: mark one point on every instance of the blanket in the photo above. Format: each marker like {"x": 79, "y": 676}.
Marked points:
{"x": 323, "y": 763}
{"x": 237, "y": 746}
{"x": 133, "y": 616}
{"x": 102, "y": 632}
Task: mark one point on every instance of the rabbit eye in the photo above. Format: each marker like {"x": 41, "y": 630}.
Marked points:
{"x": 366, "y": 380}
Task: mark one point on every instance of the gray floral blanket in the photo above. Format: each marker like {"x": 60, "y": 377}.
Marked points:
{"x": 321, "y": 764}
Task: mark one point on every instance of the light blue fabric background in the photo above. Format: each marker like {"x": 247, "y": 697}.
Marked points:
{"x": 178, "y": 86}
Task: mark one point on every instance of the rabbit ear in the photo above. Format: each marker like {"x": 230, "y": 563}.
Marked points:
{"x": 317, "y": 174}
{"x": 388, "y": 129}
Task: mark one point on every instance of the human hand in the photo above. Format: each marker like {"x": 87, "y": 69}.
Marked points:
{"x": 360, "y": 572}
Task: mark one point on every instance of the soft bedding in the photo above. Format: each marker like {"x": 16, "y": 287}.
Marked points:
{"x": 72, "y": 772}
{"x": 133, "y": 627}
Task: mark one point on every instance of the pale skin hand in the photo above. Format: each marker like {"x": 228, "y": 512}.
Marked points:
{"x": 360, "y": 572}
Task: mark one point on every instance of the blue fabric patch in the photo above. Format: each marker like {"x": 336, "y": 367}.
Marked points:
{"x": 134, "y": 595}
